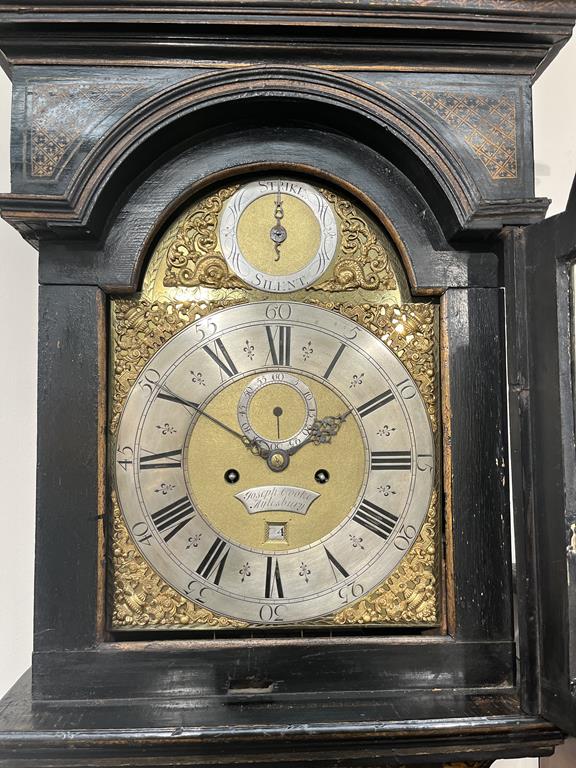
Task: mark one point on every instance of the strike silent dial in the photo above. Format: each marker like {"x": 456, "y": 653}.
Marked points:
{"x": 278, "y": 235}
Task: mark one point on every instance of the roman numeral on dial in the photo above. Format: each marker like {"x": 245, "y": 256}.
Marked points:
{"x": 391, "y": 460}
{"x": 375, "y": 403}
{"x": 334, "y": 360}
{"x": 212, "y": 566}
{"x": 375, "y": 519}
{"x": 337, "y": 569}
{"x": 173, "y": 517}
{"x": 279, "y": 342}
{"x": 166, "y": 460}
{"x": 221, "y": 357}
{"x": 273, "y": 579}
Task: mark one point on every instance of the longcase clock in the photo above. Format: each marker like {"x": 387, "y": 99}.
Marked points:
{"x": 303, "y": 351}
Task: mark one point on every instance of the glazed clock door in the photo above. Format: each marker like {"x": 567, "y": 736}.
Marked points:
{"x": 543, "y": 352}
{"x": 274, "y": 425}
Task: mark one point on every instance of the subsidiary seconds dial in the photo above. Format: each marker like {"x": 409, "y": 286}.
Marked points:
{"x": 274, "y": 462}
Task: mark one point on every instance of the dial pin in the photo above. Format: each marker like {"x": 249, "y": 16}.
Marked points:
{"x": 278, "y": 460}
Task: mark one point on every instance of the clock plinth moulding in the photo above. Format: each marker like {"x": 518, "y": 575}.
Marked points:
{"x": 180, "y": 165}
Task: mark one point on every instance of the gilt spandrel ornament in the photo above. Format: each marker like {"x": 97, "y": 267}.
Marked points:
{"x": 193, "y": 255}
{"x": 365, "y": 256}
{"x": 242, "y": 238}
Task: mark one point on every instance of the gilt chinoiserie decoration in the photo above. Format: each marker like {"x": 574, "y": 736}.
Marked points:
{"x": 293, "y": 483}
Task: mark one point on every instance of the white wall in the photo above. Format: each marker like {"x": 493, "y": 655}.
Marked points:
{"x": 555, "y": 150}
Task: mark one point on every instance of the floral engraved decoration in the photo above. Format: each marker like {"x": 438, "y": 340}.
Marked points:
{"x": 363, "y": 260}
{"x": 141, "y": 598}
{"x": 193, "y": 257}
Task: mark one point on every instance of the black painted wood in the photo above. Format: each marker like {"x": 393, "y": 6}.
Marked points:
{"x": 345, "y": 730}
{"x": 476, "y": 473}
{"x": 350, "y": 699}
{"x": 277, "y": 96}
{"x": 521, "y": 468}
{"x": 194, "y": 668}
{"x": 71, "y": 468}
{"x": 507, "y": 36}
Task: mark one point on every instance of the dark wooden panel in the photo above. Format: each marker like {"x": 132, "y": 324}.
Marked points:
{"x": 320, "y": 732}
{"x": 507, "y": 36}
{"x": 70, "y": 484}
{"x": 476, "y": 471}
{"x": 549, "y": 249}
{"x": 521, "y": 469}
{"x": 197, "y": 668}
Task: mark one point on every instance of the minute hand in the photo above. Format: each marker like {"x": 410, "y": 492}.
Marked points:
{"x": 168, "y": 395}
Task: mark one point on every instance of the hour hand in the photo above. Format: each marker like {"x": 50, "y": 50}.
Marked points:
{"x": 323, "y": 430}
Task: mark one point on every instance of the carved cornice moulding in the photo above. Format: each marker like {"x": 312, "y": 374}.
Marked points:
{"x": 475, "y": 35}
{"x": 433, "y": 152}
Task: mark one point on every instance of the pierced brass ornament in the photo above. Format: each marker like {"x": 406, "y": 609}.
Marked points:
{"x": 193, "y": 254}
{"x": 364, "y": 258}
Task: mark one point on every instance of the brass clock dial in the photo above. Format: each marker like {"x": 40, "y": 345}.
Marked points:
{"x": 255, "y": 467}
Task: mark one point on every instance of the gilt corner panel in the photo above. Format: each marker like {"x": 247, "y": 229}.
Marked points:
{"x": 481, "y": 124}
{"x": 59, "y": 118}
{"x": 486, "y": 122}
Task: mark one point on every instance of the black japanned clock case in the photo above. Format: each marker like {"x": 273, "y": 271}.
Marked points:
{"x": 123, "y": 112}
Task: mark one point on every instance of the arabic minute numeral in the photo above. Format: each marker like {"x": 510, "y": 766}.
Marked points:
{"x": 205, "y": 329}
{"x": 278, "y": 311}
{"x": 350, "y": 592}
{"x": 425, "y": 463}
{"x": 406, "y": 389}
{"x": 270, "y": 613}
{"x": 404, "y": 537}
{"x": 150, "y": 381}
{"x": 142, "y": 533}
{"x": 128, "y": 455}
{"x": 195, "y": 591}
